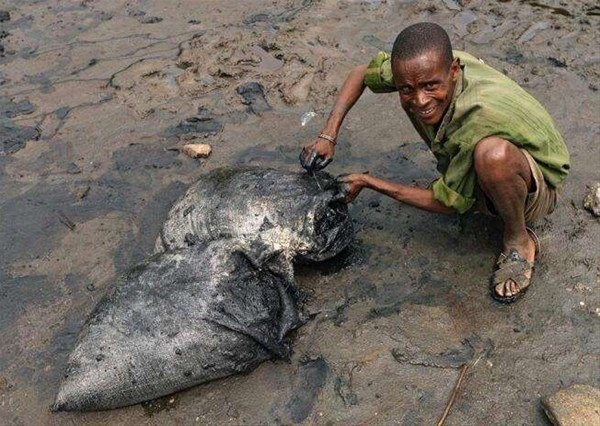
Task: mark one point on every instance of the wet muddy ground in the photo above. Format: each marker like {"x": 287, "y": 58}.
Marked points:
{"x": 93, "y": 96}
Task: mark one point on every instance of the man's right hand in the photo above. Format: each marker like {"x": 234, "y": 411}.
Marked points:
{"x": 317, "y": 154}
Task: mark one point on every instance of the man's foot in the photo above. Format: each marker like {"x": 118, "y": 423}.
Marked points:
{"x": 514, "y": 268}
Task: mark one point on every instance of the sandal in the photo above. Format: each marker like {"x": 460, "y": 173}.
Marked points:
{"x": 513, "y": 267}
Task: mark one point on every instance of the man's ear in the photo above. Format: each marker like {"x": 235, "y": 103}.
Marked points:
{"x": 455, "y": 69}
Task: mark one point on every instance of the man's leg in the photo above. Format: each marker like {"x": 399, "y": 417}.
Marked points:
{"x": 505, "y": 178}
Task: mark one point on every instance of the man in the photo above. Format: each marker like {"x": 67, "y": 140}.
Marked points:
{"x": 497, "y": 149}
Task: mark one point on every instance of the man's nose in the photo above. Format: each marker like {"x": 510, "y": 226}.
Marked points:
{"x": 421, "y": 99}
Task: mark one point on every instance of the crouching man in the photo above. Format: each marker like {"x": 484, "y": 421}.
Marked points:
{"x": 498, "y": 150}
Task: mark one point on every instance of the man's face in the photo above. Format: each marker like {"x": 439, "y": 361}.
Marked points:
{"x": 425, "y": 85}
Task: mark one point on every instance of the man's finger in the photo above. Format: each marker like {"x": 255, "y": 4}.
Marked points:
{"x": 302, "y": 156}
{"x": 305, "y": 156}
{"x": 321, "y": 163}
{"x": 344, "y": 190}
{"x": 310, "y": 163}
{"x": 340, "y": 197}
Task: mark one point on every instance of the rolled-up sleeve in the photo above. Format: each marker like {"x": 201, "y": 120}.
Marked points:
{"x": 378, "y": 76}
{"x": 450, "y": 197}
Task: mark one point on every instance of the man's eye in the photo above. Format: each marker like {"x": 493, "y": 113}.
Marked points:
{"x": 405, "y": 90}
{"x": 430, "y": 86}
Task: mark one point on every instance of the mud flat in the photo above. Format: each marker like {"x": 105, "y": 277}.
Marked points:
{"x": 96, "y": 95}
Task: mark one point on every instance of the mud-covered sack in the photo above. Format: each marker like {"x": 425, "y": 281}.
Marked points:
{"x": 179, "y": 319}
{"x": 303, "y": 214}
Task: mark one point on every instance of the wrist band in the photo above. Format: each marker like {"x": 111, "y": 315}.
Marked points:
{"x": 327, "y": 138}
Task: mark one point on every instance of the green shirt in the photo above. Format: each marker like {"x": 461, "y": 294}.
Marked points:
{"x": 485, "y": 103}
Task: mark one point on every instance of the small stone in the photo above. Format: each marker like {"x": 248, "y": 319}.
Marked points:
{"x": 4, "y": 16}
{"x": 577, "y": 405}
{"x": 197, "y": 150}
{"x": 90, "y": 287}
{"x": 591, "y": 201}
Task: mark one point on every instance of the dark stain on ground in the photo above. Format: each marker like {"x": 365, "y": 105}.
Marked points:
{"x": 62, "y": 112}
{"x": 425, "y": 290}
{"x": 199, "y": 124}
{"x": 451, "y": 358}
{"x": 262, "y": 157}
{"x": 10, "y": 108}
{"x": 310, "y": 379}
{"x": 344, "y": 391}
{"x": 4, "y": 16}
{"x": 136, "y": 248}
{"x": 253, "y": 95}
{"x": 139, "y": 158}
{"x": 12, "y": 135}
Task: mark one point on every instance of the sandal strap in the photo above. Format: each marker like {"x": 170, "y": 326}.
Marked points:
{"x": 512, "y": 267}
{"x": 535, "y": 239}
{"x": 511, "y": 271}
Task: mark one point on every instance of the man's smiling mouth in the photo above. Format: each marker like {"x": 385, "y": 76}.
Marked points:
{"x": 424, "y": 113}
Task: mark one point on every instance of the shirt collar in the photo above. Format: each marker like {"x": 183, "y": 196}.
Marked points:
{"x": 450, "y": 113}
{"x": 428, "y": 133}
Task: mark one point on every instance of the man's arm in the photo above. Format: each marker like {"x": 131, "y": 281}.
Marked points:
{"x": 416, "y": 197}
{"x": 351, "y": 91}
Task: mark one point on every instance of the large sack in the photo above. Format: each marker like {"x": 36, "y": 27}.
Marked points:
{"x": 180, "y": 319}
{"x": 302, "y": 214}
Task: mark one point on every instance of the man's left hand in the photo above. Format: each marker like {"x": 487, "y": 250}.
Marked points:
{"x": 352, "y": 184}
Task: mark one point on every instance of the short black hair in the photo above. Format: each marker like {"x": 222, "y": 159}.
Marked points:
{"x": 420, "y": 38}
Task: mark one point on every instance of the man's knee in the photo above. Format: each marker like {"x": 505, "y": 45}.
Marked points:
{"x": 493, "y": 158}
